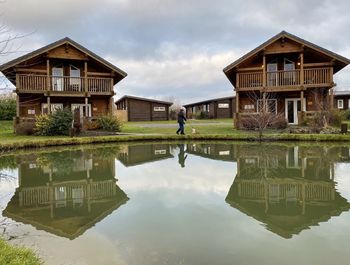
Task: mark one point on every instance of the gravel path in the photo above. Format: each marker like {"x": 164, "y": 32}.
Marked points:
{"x": 175, "y": 125}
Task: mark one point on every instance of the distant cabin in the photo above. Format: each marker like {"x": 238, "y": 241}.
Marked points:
{"x": 342, "y": 99}
{"x": 217, "y": 108}
{"x": 143, "y": 109}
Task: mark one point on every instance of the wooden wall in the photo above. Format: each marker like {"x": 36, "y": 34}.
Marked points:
{"x": 143, "y": 110}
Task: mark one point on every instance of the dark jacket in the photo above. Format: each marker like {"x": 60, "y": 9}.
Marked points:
{"x": 181, "y": 117}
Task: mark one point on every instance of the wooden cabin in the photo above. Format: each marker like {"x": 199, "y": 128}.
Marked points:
{"x": 144, "y": 109}
{"x": 217, "y": 108}
{"x": 62, "y": 74}
{"x": 342, "y": 100}
{"x": 291, "y": 76}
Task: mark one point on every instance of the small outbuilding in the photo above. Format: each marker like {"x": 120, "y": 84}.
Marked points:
{"x": 342, "y": 99}
{"x": 217, "y": 108}
{"x": 143, "y": 109}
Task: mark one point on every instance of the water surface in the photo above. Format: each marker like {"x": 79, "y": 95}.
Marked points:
{"x": 189, "y": 203}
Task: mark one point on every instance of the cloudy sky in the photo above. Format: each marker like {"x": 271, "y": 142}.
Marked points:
{"x": 176, "y": 48}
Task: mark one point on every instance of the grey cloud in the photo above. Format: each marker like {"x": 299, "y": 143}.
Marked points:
{"x": 142, "y": 32}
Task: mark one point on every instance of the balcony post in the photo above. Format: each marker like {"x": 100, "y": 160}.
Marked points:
{"x": 48, "y": 105}
{"x": 302, "y": 69}
{"x": 48, "y": 75}
{"x": 85, "y": 77}
{"x": 17, "y": 106}
{"x": 264, "y": 71}
{"x": 86, "y": 107}
{"x": 302, "y": 106}
{"x": 236, "y": 115}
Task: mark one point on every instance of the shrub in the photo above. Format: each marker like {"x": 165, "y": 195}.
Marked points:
{"x": 7, "y": 107}
{"x": 58, "y": 123}
{"x": 42, "y": 124}
{"x": 109, "y": 123}
{"x": 201, "y": 115}
{"x": 347, "y": 114}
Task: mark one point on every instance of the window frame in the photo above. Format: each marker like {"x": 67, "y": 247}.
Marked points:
{"x": 342, "y": 103}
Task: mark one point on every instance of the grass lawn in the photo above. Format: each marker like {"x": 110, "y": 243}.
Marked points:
{"x": 13, "y": 255}
{"x": 221, "y": 129}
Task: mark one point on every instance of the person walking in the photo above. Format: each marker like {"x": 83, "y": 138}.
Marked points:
{"x": 181, "y": 121}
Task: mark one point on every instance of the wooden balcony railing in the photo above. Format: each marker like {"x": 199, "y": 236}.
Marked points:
{"x": 35, "y": 83}
{"x": 311, "y": 77}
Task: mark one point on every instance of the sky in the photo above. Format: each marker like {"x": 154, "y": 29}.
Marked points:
{"x": 175, "y": 48}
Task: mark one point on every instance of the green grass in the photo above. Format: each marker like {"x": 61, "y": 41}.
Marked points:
{"x": 13, "y": 255}
{"x": 221, "y": 130}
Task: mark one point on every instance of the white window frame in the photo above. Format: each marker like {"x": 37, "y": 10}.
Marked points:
{"x": 249, "y": 107}
{"x": 57, "y": 78}
{"x": 159, "y": 108}
{"x": 81, "y": 106}
{"x": 340, "y": 103}
{"x": 348, "y": 103}
{"x": 54, "y": 107}
{"x": 75, "y": 78}
{"x": 223, "y": 105}
{"x": 275, "y": 100}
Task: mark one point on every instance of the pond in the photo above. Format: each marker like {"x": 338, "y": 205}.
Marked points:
{"x": 180, "y": 203}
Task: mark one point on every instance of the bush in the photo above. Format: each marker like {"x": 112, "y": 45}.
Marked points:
{"x": 109, "y": 123}
{"x": 7, "y": 107}
{"x": 200, "y": 115}
{"x": 58, "y": 123}
{"x": 347, "y": 114}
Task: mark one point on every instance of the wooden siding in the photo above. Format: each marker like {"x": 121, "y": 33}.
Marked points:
{"x": 215, "y": 112}
{"x": 143, "y": 110}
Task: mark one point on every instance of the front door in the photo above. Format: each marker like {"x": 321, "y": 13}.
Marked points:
{"x": 292, "y": 107}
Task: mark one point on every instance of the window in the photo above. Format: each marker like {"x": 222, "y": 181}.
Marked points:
{"x": 159, "y": 108}
{"x": 223, "y": 106}
{"x": 31, "y": 111}
{"x": 206, "y": 107}
{"x": 340, "y": 103}
{"x": 249, "y": 107}
{"x": 270, "y": 103}
{"x": 193, "y": 109}
{"x": 54, "y": 107}
{"x": 160, "y": 152}
{"x": 74, "y": 80}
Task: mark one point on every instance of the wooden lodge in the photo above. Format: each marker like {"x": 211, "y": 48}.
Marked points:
{"x": 62, "y": 74}
{"x": 143, "y": 109}
{"x": 290, "y": 75}
{"x": 217, "y": 108}
{"x": 342, "y": 100}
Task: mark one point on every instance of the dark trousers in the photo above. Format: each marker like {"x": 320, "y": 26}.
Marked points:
{"x": 181, "y": 128}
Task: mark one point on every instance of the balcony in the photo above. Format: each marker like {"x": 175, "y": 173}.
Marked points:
{"x": 63, "y": 85}
{"x": 285, "y": 80}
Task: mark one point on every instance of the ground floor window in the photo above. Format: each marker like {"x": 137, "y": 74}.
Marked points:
{"x": 206, "y": 107}
{"x": 271, "y": 105}
{"x": 54, "y": 107}
{"x": 340, "y": 104}
{"x": 223, "y": 106}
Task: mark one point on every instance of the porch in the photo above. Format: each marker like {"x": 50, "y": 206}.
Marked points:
{"x": 285, "y": 80}
{"x": 63, "y": 85}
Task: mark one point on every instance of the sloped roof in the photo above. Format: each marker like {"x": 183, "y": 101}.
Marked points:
{"x": 144, "y": 99}
{"x": 292, "y": 37}
{"x": 341, "y": 92}
{"x": 57, "y": 44}
{"x": 208, "y": 100}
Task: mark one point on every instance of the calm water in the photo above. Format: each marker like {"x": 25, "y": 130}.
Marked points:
{"x": 173, "y": 204}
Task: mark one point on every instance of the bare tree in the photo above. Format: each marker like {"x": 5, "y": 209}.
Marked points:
{"x": 264, "y": 114}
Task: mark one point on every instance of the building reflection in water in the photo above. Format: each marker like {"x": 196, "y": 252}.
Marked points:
{"x": 137, "y": 154}
{"x": 288, "y": 189}
{"x": 66, "y": 193}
